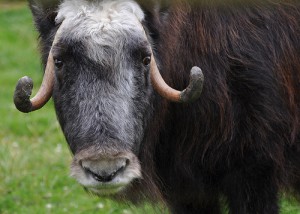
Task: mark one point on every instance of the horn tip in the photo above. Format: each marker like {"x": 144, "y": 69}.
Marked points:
{"x": 22, "y": 94}
{"x": 194, "y": 89}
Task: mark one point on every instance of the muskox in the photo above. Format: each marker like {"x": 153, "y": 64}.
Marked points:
{"x": 235, "y": 134}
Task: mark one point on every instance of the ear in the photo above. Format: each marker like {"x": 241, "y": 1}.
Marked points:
{"x": 153, "y": 10}
{"x": 44, "y": 13}
{"x": 158, "y": 4}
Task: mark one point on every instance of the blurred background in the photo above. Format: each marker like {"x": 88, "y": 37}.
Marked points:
{"x": 34, "y": 157}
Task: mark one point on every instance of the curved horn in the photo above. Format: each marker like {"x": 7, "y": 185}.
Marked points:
{"x": 24, "y": 87}
{"x": 190, "y": 94}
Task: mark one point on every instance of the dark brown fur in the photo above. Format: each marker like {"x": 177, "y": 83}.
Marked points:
{"x": 241, "y": 139}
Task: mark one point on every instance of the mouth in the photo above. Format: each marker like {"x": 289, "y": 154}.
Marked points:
{"x": 105, "y": 174}
{"x": 106, "y": 190}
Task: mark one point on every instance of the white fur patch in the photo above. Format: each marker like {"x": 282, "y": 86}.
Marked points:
{"x": 100, "y": 23}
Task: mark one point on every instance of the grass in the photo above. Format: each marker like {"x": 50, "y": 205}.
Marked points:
{"x": 34, "y": 158}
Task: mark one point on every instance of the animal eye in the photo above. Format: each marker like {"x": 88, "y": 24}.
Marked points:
{"x": 147, "y": 60}
{"x": 58, "y": 63}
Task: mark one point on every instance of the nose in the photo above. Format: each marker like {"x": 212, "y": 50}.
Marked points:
{"x": 104, "y": 170}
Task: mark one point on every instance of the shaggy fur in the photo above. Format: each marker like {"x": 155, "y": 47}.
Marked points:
{"x": 239, "y": 141}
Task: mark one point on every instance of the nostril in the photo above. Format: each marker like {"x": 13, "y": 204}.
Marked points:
{"x": 103, "y": 172}
{"x": 104, "y": 177}
{"x": 100, "y": 178}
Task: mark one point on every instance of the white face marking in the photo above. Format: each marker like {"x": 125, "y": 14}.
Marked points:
{"x": 101, "y": 23}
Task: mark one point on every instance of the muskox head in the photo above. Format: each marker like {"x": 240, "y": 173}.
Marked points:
{"x": 99, "y": 72}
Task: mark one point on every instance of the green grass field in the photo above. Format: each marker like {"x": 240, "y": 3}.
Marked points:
{"x": 34, "y": 158}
